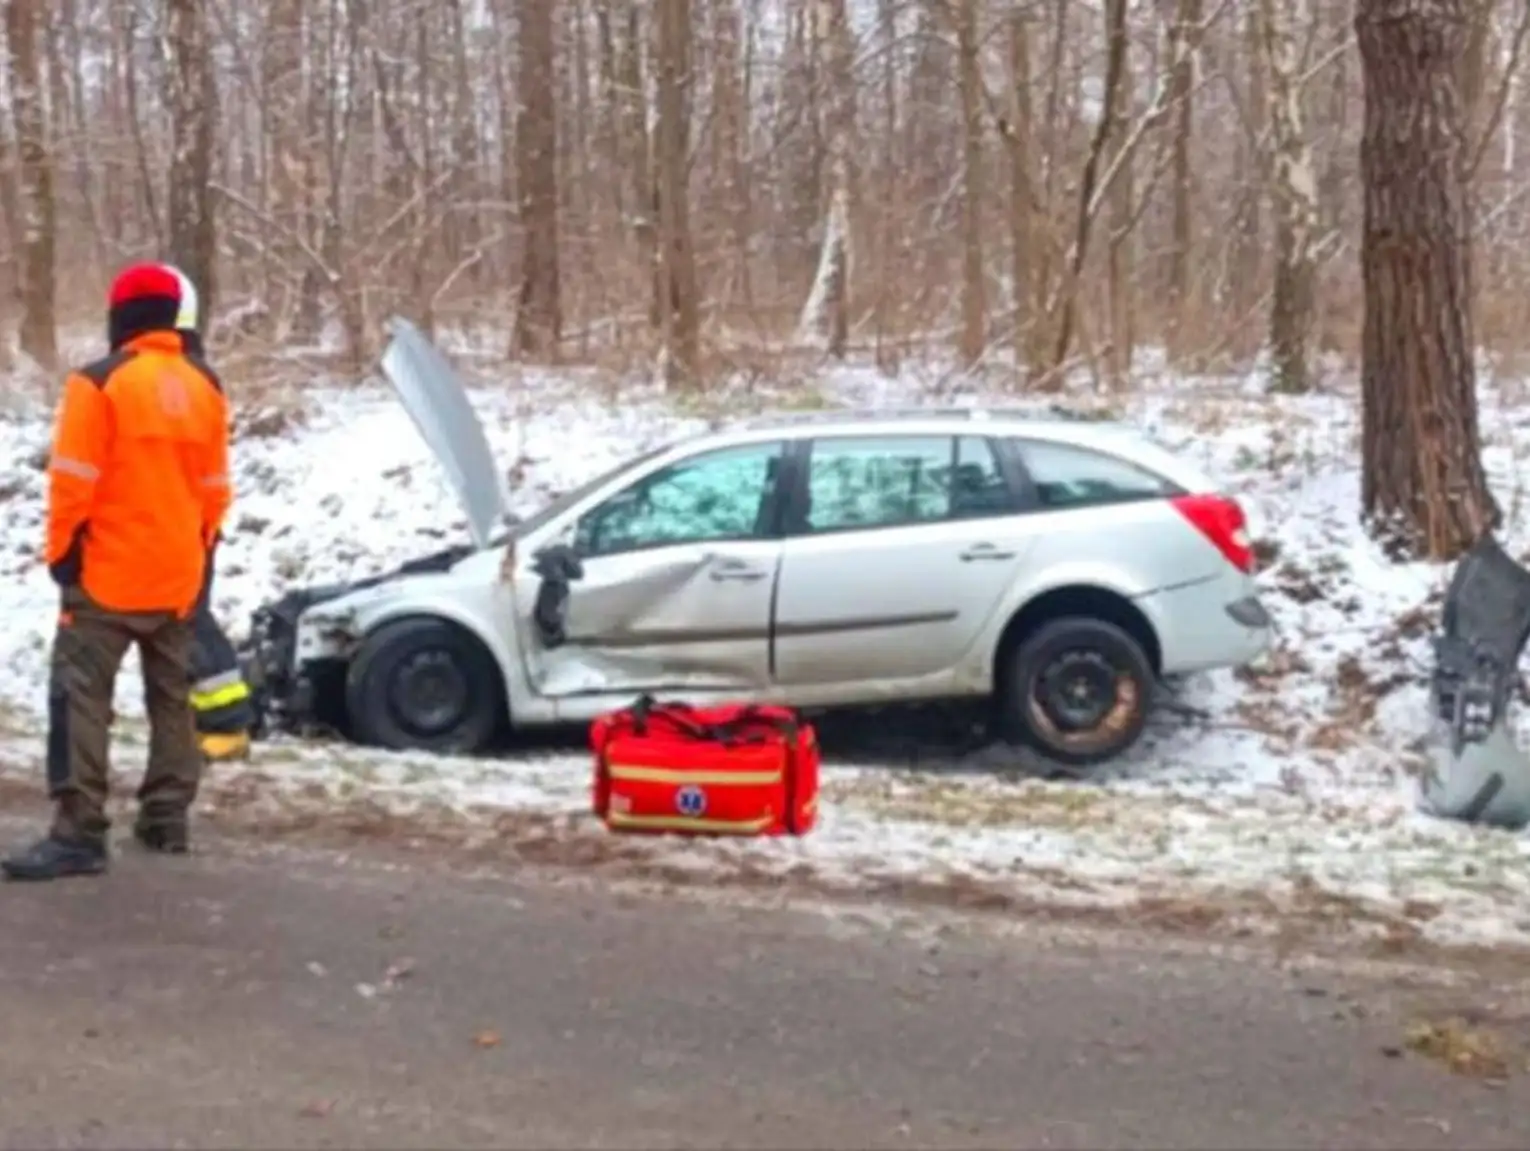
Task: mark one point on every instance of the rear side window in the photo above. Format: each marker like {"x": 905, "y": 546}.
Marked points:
{"x": 1066, "y": 476}
{"x": 858, "y": 483}
{"x": 861, "y": 482}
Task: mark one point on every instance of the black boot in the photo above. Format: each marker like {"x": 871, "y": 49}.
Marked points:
{"x": 56, "y": 857}
{"x": 167, "y": 836}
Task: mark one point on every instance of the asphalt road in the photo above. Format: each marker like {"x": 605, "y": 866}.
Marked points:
{"x": 250, "y": 997}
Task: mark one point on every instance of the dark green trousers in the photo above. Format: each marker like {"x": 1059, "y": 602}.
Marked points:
{"x": 88, "y": 649}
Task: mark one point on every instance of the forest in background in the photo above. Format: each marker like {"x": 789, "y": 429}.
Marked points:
{"x": 1042, "y": 187}
{"x": 1069, "y": 180}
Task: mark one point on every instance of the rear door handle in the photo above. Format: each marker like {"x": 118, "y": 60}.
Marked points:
{"x": 984, "y": 552}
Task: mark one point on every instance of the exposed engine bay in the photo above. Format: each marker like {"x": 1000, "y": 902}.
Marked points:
{"x": 301, "y": 698}
{"x": 307, "y": 696}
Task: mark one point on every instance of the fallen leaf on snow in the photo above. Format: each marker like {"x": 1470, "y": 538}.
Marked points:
{"x": 486, "y": 1039}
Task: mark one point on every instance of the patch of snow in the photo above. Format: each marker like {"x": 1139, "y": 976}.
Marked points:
{"x": 1299, "y": 778}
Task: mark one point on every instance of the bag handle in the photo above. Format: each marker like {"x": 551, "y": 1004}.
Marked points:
{"x": 734, "y": 731}
{"x": 646, "y": 707}
{"x": 753, "y": 716}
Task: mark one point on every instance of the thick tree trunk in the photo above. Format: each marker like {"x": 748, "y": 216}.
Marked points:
{"x": 37, "y": 332}
{"x": 192, "y": 226}
{"x": 1423, "y": 490}
{"x": 539, "y": 317}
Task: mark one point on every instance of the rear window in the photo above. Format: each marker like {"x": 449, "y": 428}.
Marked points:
{"x": 1068, "y": 476}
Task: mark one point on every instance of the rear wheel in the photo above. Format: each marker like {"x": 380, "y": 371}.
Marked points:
{"x": 424, "y": 684}
{"x": 1078, "y": 689}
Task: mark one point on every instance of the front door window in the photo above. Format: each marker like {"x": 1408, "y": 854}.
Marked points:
{"x": 713, "y": 497}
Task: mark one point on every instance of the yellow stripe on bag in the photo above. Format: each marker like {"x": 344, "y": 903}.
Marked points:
{"x": 682, "y": 823}
{"x": 640, "y": 774}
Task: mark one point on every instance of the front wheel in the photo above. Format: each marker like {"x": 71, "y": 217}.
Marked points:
{"x": 424, "y": 684}
{"x": 1078, "y": 689}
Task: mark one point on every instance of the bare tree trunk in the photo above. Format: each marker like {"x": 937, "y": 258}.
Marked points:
{"x": 731, "y": 82}
{"x": 1115, "y": 68}
{"x": 192, "y": 225}
{"x": 10, "y": 286}
{"x": 887, "y": 256}
{"x": 632, "y": 78}
{"x": 826, "y": 315}
{"x": 1247, "y": 259}
{"x": 539, "y": 317}
{"x": 1019, "y": 133}
{"x": 37, "y": 333}
{"x": 1052, "y": 161}
{"x": 1473, "y": 70}
{"x": 281, "y": 84}
{"x": 1336, "y": 325}
{"x": 1423, "y": 490}
{"x": 1119, "y": 253}
{"x": 806, "y": 160}
{"x": 974, "y": 327}
{"x": 1295, "y": 194}
{"x": 1182, "y": 254}
{"x": 681, "y": 320}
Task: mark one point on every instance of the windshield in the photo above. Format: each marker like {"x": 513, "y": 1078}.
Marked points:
{"x": 568, "y": 499}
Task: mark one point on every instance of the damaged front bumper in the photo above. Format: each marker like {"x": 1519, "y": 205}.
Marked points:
{"x": 303, "y": 696}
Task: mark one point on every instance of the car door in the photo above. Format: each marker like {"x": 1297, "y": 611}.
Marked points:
{"x": 679, "y": 569}
{"x": 898, "y": 550}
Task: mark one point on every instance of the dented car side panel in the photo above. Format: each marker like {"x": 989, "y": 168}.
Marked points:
{"x": 691, "y": 617}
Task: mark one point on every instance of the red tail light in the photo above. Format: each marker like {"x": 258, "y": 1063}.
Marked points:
{"x": 1222, "y": 522}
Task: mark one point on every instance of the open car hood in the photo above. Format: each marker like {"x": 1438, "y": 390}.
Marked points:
{"x": 438, "y": 404}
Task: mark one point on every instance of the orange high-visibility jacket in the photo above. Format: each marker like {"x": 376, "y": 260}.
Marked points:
{"x": 138, "y": 481}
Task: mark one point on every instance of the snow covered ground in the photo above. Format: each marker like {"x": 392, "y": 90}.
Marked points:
{"x": 1294, "y": 790}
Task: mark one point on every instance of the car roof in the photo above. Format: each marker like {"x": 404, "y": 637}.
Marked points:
{"x": 1040, "y": 421}
{"x": 899, "y": 420}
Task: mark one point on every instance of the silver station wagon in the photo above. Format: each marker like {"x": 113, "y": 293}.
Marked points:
{"x": 1055, "y": 566}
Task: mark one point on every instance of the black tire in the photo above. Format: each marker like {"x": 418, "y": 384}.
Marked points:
{"x": 1077, "y": 732}
{"x": 424, "y": 684}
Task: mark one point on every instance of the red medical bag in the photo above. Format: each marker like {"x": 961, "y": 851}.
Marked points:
{"x": 726, "y": 770}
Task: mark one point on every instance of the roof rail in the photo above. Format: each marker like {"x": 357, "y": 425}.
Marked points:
{"x": 824, "y": 416}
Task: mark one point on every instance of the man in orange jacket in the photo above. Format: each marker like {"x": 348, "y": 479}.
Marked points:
{"x": 137, "y": 491}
